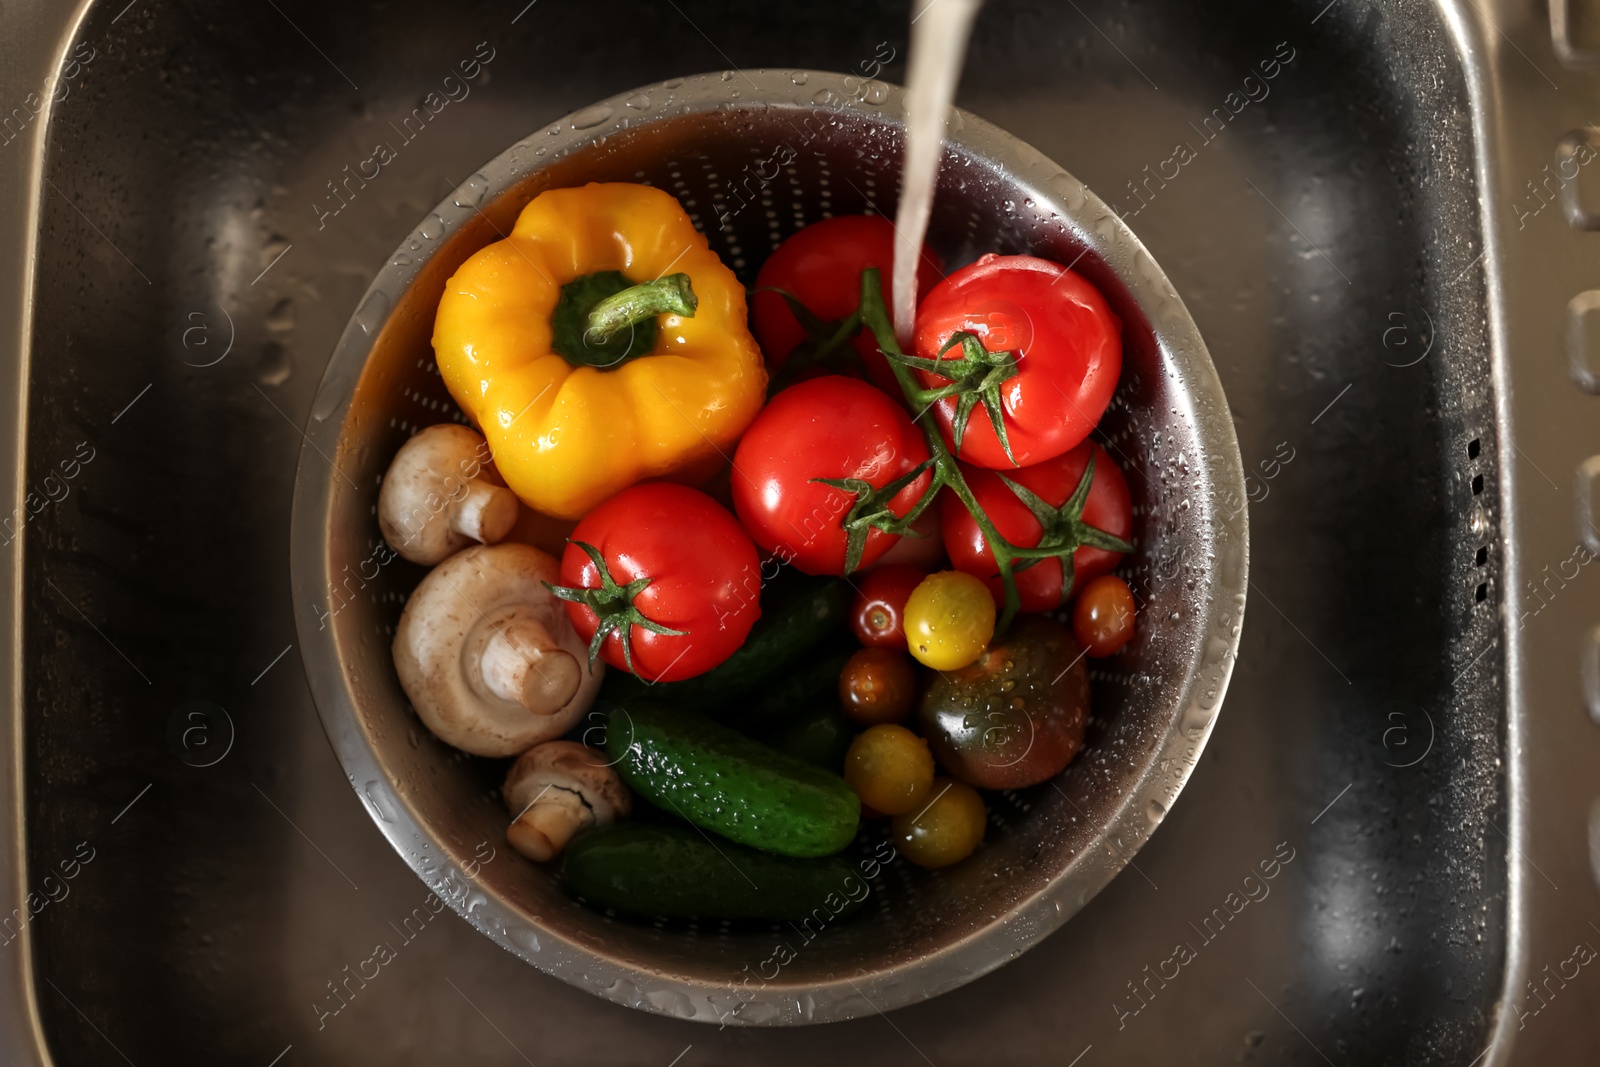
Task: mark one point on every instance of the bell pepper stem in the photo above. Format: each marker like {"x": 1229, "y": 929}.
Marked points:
{"x": 670, "y": 295}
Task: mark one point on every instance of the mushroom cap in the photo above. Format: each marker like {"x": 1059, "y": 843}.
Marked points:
{"x": 571, "y": 766}
{"x": 440, "y": 495}
{"x": 458, "y": 601}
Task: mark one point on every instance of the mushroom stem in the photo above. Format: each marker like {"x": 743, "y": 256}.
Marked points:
{"x": 485, "y": 512}
{"x": 515, "y": 658}
{"x": 543, "y": 830}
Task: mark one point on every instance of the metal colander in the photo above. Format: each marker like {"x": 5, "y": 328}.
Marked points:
{"x": 754, "y": 157}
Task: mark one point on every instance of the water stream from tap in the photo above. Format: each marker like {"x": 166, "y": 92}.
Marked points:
{"x": 939, "y": 33}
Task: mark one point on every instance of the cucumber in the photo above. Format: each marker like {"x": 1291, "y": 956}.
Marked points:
{"x": 721, "y": 780}
{"x": 808, "y": 686}
{"x": 798, "y": 613}
{"x": 820, "y": 736}
{"x": 676, "y": 872}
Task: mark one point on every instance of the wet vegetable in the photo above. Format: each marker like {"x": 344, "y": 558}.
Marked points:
{"x": 1038, "y": 341}
{"x": 659, "y": 581}
{"x": 819, "y": 269}
{"x": 1077, "y": 501}
{"x": 821, "y": 736}
{"x": 1103, "y": 616}
{"x": 878, "y": 685}
{"x": 877, "y": 616}
{"x": 722, "y": 781}
{"x": 601, "y": 343}
{"x": 1017, "y": 715}
{"x": 676, "y": 872}
{"x": 890, "y": 769}
{"x": 947, "y": 829}
{"x": 949, "y": 620}
{"x": 823, "y": 460}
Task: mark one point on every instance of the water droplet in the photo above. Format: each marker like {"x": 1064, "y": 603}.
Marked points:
{"x": 727, "y": 75}
{"x": 638, "y": 101}
{"x": 373, "y": 311}
{"x": 591, "y": 116}
{"x": 672, "y": 83}
{"x": 432, "y": 227}
{"x": 799, "y": 77}
{"x": 470, "y": 192}
{"x": 374, "y": 798}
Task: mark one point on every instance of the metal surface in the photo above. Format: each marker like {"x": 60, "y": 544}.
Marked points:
{"x": 830, "y": 147}
{"x": 1419, "y": 905}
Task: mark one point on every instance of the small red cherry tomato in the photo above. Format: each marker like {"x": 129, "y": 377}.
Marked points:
{"x": 834, "y": 428}
{"x": 877, "y": 685}
{"x": 878, "y": 615}
{"x": 702, "y": 574}
{"x": 1108, "y": 508}
{"x": 1103, "y": 617}
{"x": 821, "y": 268}
{"x": 1068, "y": 347}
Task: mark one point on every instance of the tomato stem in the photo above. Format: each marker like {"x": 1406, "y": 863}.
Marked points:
{"x": 613, "y": 606}
{"x": 826, "y": 344}
{"x": 946, "y": 473}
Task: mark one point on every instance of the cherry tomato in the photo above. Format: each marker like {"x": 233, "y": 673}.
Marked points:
{"x": 1108, "y": 507}
{"x": 889, "y": 768}
{"x": 821, "y": 267}
{"x": 878, "y": 685}
{"x": 878, "y": 614}
{"x": 833, "y": 428}
{"x": 946, "y": 829}
{"x": 1017, "y": 716}
{"x": 702, "y": 576}
{"x": 1103, "y": 617}
{"x": 949, "y": 620}
{"x": 1068, "y": 345}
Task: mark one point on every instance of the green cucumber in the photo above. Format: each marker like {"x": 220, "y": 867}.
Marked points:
{"x": 821, "y": 736}
{"x": 798, "y": 613}
{"x": 721, "y": 780}
{"x": 810, "y": 685}
{"x": 677, "y": 872}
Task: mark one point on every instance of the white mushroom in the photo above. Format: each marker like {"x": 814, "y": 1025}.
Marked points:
{"x": 557, "y": 789}
{"x": 438, "y": 496}
{"x": 487, "y": 655}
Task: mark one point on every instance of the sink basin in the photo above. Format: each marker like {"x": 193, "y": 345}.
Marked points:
{"x": 1403, "y": 745}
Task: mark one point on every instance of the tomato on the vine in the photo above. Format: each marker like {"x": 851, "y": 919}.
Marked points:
{"x": 1108, "y": 509}
{"x": 821, "y": 268}
{"x": 823, "y": 460}
{"x": 878, "y": 614}
{"x": 661, "y": 581}
{"x": 1065, "y": 342}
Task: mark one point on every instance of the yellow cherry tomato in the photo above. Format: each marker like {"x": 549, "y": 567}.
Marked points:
{"x": 945, "y": 829}
{"x": 890, "y": 769}
{"x": 949, "y": 620}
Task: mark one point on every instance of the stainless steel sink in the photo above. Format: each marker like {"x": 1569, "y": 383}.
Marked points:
{"x": 1405, "y": 744}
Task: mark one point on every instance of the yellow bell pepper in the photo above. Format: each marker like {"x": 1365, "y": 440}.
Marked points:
{"x": 588, "y": 366}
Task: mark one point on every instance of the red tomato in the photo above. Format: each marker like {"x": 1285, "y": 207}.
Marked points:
{"x": 878, "y": 615}
{"x": 1108, "y": 508}
{"x": 821, "y": 267}
{"x": 832, "y": 427}
{"x": 1069, "y": 347}
{"x": 702, "y": 573}
{"x": 1104, "y": 616}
